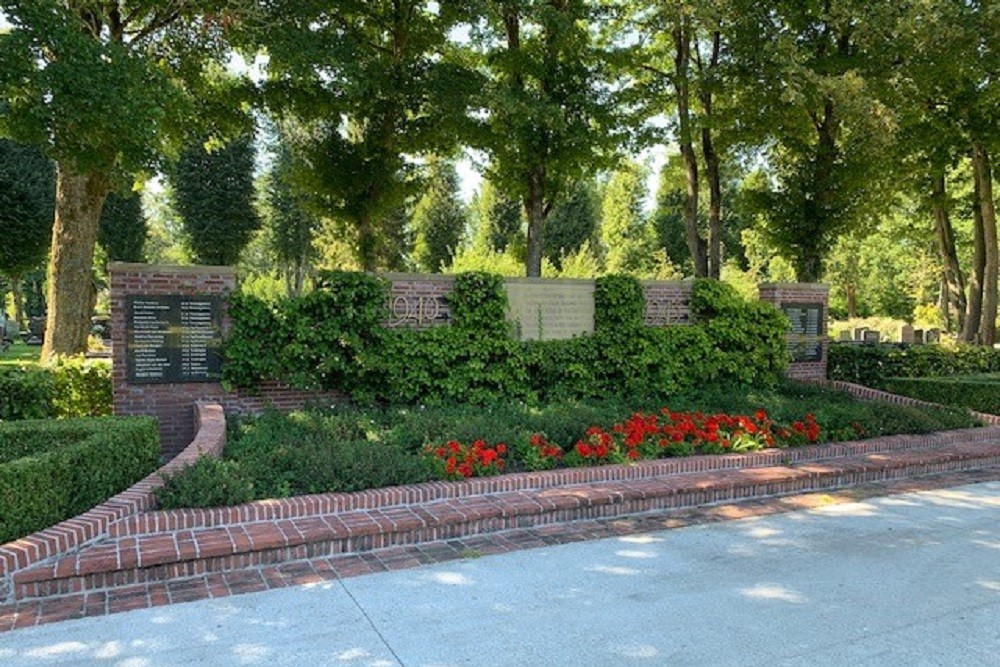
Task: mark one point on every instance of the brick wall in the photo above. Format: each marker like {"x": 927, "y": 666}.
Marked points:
{"x": 798, "y": 293}
{"x": 171, "y": 403}
{"x": 415, "y": 301}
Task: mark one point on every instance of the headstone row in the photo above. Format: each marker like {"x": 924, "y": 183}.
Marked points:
{"x": 907, "y": 335}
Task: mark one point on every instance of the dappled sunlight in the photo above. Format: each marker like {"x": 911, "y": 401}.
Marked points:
{"x": 450, "y": 578}
{"x": 636, "y": 651}
{"x": 354, "y": 655}
{"x": 613, "y": 569}
{"x": 251, "y": 654}
{"x": 991, "y": 585}
{"x": 635, "y": 553}
{"x": 849, "y": 509}
{"x": 986, "y": 543}
{"x": 109, "y": 650}
{"x": 960, "y": 500}
{"x": 774, "y": 592}
{"x": 55, "y": 650}
{"x": 135, "y": 662}
{"x": 761, "y": 532}
{"x": 641, "y": 539}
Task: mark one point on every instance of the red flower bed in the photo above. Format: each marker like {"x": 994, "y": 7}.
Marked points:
{"x": 641, "y": 436}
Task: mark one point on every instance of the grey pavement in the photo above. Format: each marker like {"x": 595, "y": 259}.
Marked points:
{"x": 902, "y": 580}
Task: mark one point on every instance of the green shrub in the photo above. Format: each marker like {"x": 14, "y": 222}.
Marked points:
{"x": 208, "y": 482}
{"x": 54, "y": 470}
{"x": 69, "y": 387}
{"x": 980, "y": 393}
{"x": 873, "y": 365}
{"x": 83, "y": 387}
{"x": 26, "y": 393}
{"x": 348, "y": 449}
{"x": 332, "y": 339}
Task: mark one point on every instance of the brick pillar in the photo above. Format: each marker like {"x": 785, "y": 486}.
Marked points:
{"x": 170, "y": 403}
{"x": 796, "y": 300}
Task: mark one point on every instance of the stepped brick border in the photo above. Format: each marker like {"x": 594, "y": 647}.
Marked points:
{"x": 869, "y": 394}
{"x": 93, "y": 525}
{"x": 262, "y": 533}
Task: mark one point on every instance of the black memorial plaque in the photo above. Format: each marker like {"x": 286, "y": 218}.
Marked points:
{"x": 174, "y": 339}
{"x": 805, "y": 339}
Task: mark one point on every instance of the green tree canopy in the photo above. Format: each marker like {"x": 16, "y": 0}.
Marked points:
{"x": 215, "y": 194}
{"x": 123, "y": 229}
{"x": 439, "y": 219}
{"x": 106, "y": 89}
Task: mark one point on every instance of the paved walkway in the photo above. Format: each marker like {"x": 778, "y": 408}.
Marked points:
{"x": 909, "y": 580}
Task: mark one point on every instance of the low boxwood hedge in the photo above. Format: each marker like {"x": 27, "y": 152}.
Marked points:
{"x": 976, "y": 392}
{"x": 53, "y": 470}
{"x": 69, "y": 387}
{"x": 874, "y": 365}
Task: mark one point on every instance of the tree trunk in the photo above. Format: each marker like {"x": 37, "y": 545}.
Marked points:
{"x": 953, "y": 279}
{"x": 712, "y": 168}
{"x": 367, "y": 243}
{"x": 17, "y": 291}
{"x": 974, "y": 307}
{"x": 79, "y": 201}
{"x": 852, "y": 301}
{"x": 984, "y": 176}
{"x": 682, "y": 59}
{"x": 714, "y": 206}
{"x": 534, "y": 207}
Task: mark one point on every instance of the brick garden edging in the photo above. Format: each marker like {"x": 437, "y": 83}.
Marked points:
{"x": 73, "y": 534}
{"x": 157, "y": 557}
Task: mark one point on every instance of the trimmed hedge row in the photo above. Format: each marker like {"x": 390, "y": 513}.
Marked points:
{"x": 980, "y": 393}
{"x": 332, "y": 339}
{"x": 70, "y": 387}
{"x": 874, "y": 365}
{"x": 51, "y": 471}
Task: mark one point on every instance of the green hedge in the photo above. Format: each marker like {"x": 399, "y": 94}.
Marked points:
{"x": 69, "y": 387}
{"x": 980, "y": 393}
{"x": 331, "y": 339}
{"x": 54, "y": 470}
{"x": 874, "y": 365}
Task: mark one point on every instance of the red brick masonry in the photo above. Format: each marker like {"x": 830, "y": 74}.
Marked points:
{"x": 125, "y": 555}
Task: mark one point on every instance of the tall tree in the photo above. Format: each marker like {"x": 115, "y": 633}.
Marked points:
{"x": 626, "y": 234}
{"x": 27, "y": 199}
{"x": 123, "y": 229}
{"x": 368, "y": 87}
{"x": 145, "y": 81}
{"x": 439, "y": 219}
{"x": 215, "y": 193}
{"x": 498, "y": 219}
{"x": 552, "y": 115}
{"x": 573, "y": 222}
{"x": 291, "y": 226}
{"x": 804, "y": 71}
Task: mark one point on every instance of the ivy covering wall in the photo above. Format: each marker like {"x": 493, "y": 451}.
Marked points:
{"x": 332, "y": 339}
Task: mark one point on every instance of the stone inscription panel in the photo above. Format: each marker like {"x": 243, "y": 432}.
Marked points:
{"x": 551, "y": 310}
{"x": 805, "y": 337}
{"x": 174, "y": 339}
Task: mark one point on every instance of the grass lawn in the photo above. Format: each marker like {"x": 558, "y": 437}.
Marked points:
{"x": 349, "y": 449}
{"x": 20, "y": 354}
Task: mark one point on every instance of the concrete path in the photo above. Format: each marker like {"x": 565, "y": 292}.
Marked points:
{"x": 902, "y": 580}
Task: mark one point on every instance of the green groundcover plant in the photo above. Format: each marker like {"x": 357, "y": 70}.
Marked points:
{"x": 352, "y": 448}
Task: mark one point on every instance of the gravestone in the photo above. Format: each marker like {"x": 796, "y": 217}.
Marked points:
{"x": 906, "y": 334}
{"x": 36, "y": 327}
{"x": 918, "y": 336}
{"x": 871, "y": 337}
{"x": 933, "y": 336}
{"x": 859, "y": 334}
{"x": 845, "y": 336}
